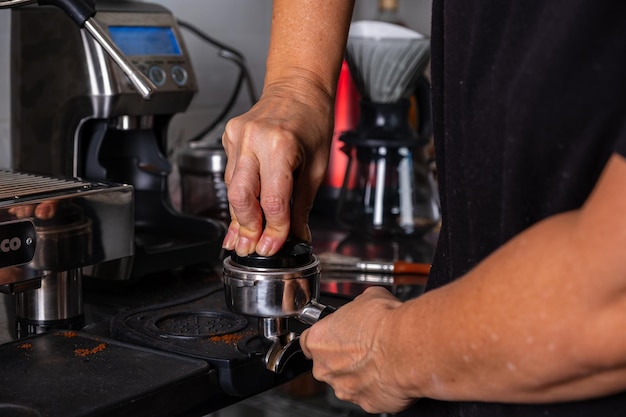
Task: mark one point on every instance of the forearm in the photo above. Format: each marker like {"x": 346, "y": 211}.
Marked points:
{"x": 307, "y": 44}
{"x": 539, "y": 320}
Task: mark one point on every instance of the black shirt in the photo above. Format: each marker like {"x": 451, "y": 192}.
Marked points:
{"x": 529, "y": 102}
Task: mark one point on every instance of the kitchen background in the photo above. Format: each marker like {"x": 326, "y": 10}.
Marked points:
{"x": 241, "y": 24}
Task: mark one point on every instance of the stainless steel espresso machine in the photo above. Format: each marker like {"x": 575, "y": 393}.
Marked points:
{"x": 52, "y": 228}
{"x": 75, "y": 112}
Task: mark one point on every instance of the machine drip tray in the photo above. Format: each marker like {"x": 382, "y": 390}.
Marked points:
{"x": 203, "y": 327}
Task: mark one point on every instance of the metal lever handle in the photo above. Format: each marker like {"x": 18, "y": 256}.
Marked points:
{"x": 314, "y": 311}
{"x": 7, "y": 4}
{"x": 142, "y": 84}
{"x": 279, "y": 354}
{"x": 285, "y": 347}
{"x": 82, "y": 14}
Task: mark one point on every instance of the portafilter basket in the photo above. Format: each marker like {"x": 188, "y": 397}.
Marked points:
{"x": 276, "y": 288}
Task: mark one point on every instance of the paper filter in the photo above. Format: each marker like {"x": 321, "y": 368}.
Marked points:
{"x": 385, "y": 59}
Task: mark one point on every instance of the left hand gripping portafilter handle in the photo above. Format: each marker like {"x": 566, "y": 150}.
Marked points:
{"x": 82, "y": 12}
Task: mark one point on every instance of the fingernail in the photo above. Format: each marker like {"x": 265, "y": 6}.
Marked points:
{"x": 243, "y": 246}
{"x": 264, "y": 247}
{"x": 229, "y": 240}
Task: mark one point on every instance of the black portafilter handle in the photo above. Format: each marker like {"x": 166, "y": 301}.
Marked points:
{"x": 78, "y": 10}
{"x": 326, "y": 311}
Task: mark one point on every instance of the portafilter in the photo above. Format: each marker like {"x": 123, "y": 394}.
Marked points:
{"x": 275, "y": 289}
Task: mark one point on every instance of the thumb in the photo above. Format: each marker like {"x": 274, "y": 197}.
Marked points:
{"x": 303, "y": 343}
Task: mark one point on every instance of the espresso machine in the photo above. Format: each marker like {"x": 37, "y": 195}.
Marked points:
{"x": 78, "y": 111}
{"x": 84, "y": 120}
{"x": 51, "y": 228}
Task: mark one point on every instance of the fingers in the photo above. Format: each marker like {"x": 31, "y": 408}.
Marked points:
{"x": 277, "y": 155}
{"x": 246, "y": 217}
{"x": 304, "y": 192}
{"x": 304, "y": 337}
{"x": 22, "y": 211}
{"x": 351, "y": 354}
{"x": 46, "y": 209}
{"x": 337, "y": 370}
{"x": 259, "y": 176}
{"x": 276, "y": 194}
{"x": 43, "y": 211}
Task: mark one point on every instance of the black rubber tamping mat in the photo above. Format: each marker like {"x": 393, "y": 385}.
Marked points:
{"x": 72, "y": 374}
{"x": 203, "y": 327}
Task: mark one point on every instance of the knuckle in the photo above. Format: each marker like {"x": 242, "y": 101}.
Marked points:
{"x": 320, "y": 372}
{"x": 368, "y": 407}
{"x": 238, "y": 198}
{"x": 273, "y": 205}
{"x": 344, "y": 396}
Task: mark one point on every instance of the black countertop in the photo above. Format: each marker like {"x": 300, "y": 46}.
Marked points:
{"x": 104, "y": 371}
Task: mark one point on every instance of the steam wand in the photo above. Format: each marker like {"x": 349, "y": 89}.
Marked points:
{"x": 82, "y": 12}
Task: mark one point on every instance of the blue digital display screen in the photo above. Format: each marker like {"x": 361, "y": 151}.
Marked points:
{"x": 145, "y": 40}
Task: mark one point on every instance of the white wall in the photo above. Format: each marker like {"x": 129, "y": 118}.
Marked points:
{"x": 415, "y": 13}
{"x": 245, "y": 25}
{"x": 241, "y": 24}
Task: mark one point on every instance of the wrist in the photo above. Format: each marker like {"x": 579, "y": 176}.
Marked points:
{"x": 303, "y": 87}
{"x": 405, "y": 345}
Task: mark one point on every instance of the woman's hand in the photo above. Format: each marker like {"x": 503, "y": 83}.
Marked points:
{"x": 351, "y": 352}
{"x": 277, "y": 158}
{"x": 278, "y": 151}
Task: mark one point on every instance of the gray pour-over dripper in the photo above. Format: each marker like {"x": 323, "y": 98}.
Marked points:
{"x": 385, "y": 59}
{"x": 388, "y": 190}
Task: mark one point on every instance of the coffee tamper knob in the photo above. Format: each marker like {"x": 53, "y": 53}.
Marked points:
{"x": 293, "y": 254}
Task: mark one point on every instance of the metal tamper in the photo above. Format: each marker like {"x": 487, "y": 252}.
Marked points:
{"x": 276, "y": 288}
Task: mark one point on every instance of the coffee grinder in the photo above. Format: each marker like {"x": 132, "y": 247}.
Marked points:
{"x": 76, "y": 112}
{"x": 388, "y": 199}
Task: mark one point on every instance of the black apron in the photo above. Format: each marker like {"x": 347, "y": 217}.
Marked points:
{"x": 529, "y": 100}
